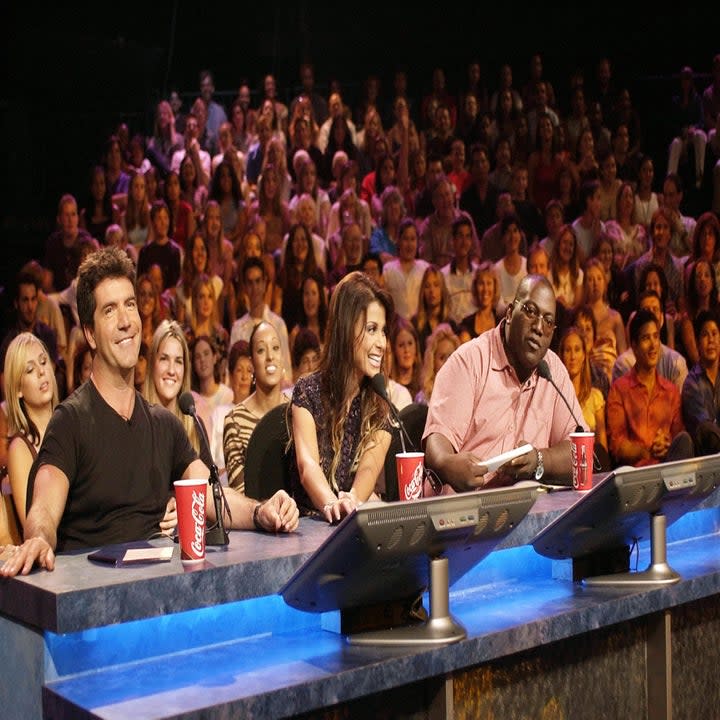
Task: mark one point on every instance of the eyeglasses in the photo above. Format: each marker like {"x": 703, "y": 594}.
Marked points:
{"x": 532, "y": 313}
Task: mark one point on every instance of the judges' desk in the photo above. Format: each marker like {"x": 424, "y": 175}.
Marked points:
{"x": 216, "y": 641}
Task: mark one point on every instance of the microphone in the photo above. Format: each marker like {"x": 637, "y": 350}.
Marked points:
{"x": 186, "y": 401}
{"x": 215, "y": 535}
{"x": 377, "y": 383}
{"x": 544, "y": 372}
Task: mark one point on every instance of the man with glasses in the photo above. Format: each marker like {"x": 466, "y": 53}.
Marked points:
{"x": 489, "y": 398}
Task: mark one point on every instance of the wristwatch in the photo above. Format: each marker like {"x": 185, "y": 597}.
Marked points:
{"x": 539, "y": 468}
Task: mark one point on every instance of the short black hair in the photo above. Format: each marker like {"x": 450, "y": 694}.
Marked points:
{"x": 26, "y": 277}
{"x": 372, "y": 256}
{"x": 107, "y": 262}
{"x": 305, "y": 340}
{"x": 640, "y": 318}
{"x": 703, "y": 317}
{"x": 254, "y": 262}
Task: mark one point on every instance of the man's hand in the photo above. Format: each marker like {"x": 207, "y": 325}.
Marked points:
{"x": 464, "y": 471}
{"x": 279, "y": 513}
{"x": 521, "y": 467}
{"x": 661, "y": 445}
{"x": 169, "y": 521}
{"x": 22, "y": 558}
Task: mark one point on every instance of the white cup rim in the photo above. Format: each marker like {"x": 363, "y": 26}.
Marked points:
{"x": 410, "y": 454}
{"x": 190, "y": 482}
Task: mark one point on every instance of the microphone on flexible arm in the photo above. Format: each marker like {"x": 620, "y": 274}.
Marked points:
{"x": 216, "y": 534}
{"x": 543, "y": 370}
{"x": 377, "y": 383}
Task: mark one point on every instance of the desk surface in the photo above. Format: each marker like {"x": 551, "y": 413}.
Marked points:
{"x": 80, "y": 594}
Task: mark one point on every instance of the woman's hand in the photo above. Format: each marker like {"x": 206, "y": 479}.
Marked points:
{"x": 335, "y": 510}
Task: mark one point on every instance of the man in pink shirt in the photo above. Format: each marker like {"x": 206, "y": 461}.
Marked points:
{"x": 489, "y": 398}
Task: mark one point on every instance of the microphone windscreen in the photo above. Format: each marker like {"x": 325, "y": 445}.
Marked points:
{"x": 544, "y": 370}
{"x": 186, "y": 403}
{"x": 377, "y": 382}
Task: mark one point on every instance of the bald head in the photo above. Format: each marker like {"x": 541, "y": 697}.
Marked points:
{"x": 529, "y": 324}
{"x": 528, "y": 284}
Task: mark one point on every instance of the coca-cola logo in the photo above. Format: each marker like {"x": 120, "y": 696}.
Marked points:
{"x": 198, "y": 515}
{"x": 413, "y": 490}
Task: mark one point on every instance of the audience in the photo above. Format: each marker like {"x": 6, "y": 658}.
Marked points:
{"x": 422, "y": 227}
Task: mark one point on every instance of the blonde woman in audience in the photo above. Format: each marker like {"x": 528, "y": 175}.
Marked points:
{"x": 135, "y": 220}
{"x": 271, "y": 209}
{"x": 276, "y": 156}
{"x": 566, "y": 275}
{"x": 31, "y": 394}
{"x": 629, "y": 237}
{"x": 115, "y": 235}
{"x": 241, "y": 420}
{"x": 440, "y": 345}
{"x": 433, "y": 305}
{"x": 486, "y": 294}
{"x": 574, "y": 354}
{"x": 307, "y": 182}
{"x": 610, "y": 338}
{"x": 205, "y": 320}
{"x": 195, "y": 263}
{"x": 348, "y": 207}
{"x": 165, "y": 140}
{"x": 168, "y": 376}
{"x": 406, "y": 364}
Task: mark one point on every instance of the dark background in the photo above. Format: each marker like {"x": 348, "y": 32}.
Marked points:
{"x": 72, "y": 74}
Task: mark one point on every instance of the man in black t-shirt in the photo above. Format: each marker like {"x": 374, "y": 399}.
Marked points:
{"x": 106, "y": 466}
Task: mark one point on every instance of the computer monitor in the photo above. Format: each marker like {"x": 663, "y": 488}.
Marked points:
{"x": 628, "y": 506}
{"x": 388, "y": 552}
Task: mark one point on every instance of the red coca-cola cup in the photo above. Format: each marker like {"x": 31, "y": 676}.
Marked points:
{"x": 582, "y": 446}
{"x": 190, "y": 496}
{"x": 410, "y": 474}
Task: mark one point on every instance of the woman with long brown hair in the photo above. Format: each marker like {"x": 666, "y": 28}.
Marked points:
{"x": 340, "y": 426}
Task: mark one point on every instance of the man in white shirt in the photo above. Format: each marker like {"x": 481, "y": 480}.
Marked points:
{"x": 459, "y": 272}
{"x": 681, "y": 226}
{"x": 200, "y": 157}
{"x": 336, "y": 108}
{"x": 671, "y": 364}
{"x": 254, "y": 277}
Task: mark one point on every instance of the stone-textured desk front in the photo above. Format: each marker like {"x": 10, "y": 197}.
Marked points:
{"x": 216, "y": 641}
